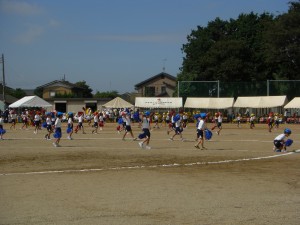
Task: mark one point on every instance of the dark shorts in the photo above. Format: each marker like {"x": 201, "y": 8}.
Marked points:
{"x": 36, "y": 123}
{"x": 178, "y": 130}
{"x": 95, "y": 124}
{"x": 80, "y": 124}
{"x": 200, "y": 133}
{"x": 219, "y": 125}
{"x": 278, "y": 144}
{"x": 146, "y": 132}
{"x": 128, "y": 128}
{"x": 49, "y": 127}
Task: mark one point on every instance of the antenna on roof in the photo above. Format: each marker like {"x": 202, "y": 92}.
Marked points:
{"x": 164, "y": 64}
{"x": 64, "y": 77}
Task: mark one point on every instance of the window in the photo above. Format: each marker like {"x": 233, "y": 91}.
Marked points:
{"x": 149, "y": 91}
{"x": 52, "y": 93}
{"x": 163, "y": 89}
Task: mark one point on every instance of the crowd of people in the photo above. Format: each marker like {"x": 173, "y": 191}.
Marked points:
{"x": 173, "y": 122}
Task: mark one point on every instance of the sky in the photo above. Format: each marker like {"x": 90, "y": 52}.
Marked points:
{"x": 111, "y": 44}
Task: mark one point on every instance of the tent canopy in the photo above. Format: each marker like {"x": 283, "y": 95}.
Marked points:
{"x": 295, "y": 103}
{"x": 118, "y": 103}
{"x": 209, "y": 103}
{"x": 30, "y": 101}
{"x": 156, "y": 102}
{"x": 260, "y": 102}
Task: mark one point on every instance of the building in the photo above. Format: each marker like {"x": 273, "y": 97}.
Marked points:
{"x": 67, "y": 97}
{"x": 61, "y": 88}
{"x": 160, "y": 85}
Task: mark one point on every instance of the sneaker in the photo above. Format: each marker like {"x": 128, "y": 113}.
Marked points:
{"x": 141, "y": 144}
{"x": 148, "y": 147}
{"x": 171, "y": 139}
{"x": 196, "y": 146}
{"x": 182, "y": 140}
{"x": 48, "y": 139}
{"x": 54, "y": 144}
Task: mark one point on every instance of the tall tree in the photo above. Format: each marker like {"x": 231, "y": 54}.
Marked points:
{"x": 283, "y": 45}
{"x": 87, "y": 91}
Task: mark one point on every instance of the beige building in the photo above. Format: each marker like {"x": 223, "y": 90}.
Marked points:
{"x": 67, "y": 97}
{"x": 60, "y": 88}
{"x": 160, "y": 85}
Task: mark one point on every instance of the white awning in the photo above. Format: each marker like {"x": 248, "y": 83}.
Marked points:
{"x": 152, "y": 102}
{"x": 30, "y": 101}
{"x": 209, "y": 103}
{"x": 295, "y": 103}
{"x": 260, "y": 102}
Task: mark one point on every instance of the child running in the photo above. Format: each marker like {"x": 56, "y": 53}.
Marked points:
{"x": 37, "y": 121}
{"x": 49, "y": 126}
{"x": 2, "y": 131}
{"x": 128, "y": 127}
{"x": 145, "y": 124}
{"x": 96, "y": 123}
{"x": 57, "y": 127}
{"x": 70, "y": 125}
{"x": 200, "y": 132}
{"x": 178, "y": 128}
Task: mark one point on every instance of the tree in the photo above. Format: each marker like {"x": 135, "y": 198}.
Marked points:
{"x": 18, "y": 93}
{"x": 108, "y": 94}
{"x": 283, "y": 45}
{"x": 87, "y": 91}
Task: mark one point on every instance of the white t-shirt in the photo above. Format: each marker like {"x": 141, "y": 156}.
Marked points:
{"x": 280, "y": 137}
{"x": 201, "y": 125}
{"x": 145, "y": 123}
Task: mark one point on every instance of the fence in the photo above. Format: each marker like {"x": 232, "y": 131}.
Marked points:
{"x": 290, "y": 88}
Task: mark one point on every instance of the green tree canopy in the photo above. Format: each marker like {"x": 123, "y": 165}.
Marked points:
{"x": 87, "y": 91}
{"x": 251, "y": 48}
{"x": 107, "y": 94}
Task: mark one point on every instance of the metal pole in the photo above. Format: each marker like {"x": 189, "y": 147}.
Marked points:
{"x": 178, "y": 88}
{"x": 218, "y": 88}
{"x": 268, "y": 88}
{"x": 3, "y": 82}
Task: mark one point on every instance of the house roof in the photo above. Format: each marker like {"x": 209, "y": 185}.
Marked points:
{"x": 160, "y": 75}
{"x": 57, "y": 83}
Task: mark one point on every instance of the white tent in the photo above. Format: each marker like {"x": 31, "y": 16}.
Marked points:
{"x": 260, "y": 102}
{"x": 209, "y": 103}
{"x": 295, "y": 103}
{"x": 156, "y": 102}
{"x": 30, "y": 101}
{"x": 118, "y": 103}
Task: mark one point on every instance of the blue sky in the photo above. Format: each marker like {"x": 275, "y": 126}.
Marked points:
{"x": 111, "y": 44}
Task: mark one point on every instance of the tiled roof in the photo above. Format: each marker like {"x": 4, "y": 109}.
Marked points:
{"x": 162, "y": 75}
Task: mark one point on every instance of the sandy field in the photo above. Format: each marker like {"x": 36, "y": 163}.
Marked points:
{"x": 100, "y": 179}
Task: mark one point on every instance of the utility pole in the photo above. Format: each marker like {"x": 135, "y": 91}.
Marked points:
{"x": 3, "y": 80}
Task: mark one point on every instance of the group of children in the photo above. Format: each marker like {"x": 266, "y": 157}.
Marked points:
{"x": 177, "y": 123}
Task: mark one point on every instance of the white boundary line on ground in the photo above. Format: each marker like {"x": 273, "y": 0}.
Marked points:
{"x": 145, "y": 167}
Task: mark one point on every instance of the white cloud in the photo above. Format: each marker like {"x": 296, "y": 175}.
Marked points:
{"x": 19, "y": 7}
{"x": 30, "y": 35}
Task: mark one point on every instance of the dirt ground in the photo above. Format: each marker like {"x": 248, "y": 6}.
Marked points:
{"x": 100, "y": 179}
